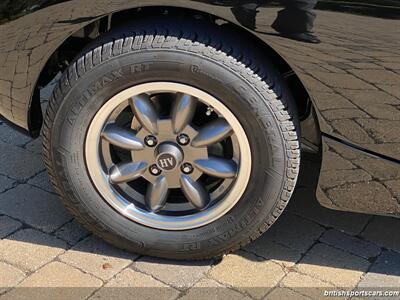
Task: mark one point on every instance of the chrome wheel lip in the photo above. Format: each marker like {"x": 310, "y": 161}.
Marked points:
{"x": 151, "y": 219}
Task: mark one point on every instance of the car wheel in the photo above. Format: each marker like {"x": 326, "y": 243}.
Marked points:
{"x": 172, "y": 142}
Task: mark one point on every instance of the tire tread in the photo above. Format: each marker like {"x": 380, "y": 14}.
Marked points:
{"x": 253, "y": 69}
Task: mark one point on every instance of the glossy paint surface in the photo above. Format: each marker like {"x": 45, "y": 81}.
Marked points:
{"x": 353, "y": 180}
{"x": 352, "y": 75}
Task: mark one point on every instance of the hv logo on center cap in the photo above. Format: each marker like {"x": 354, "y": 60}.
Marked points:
{"x": 166, "y": 161}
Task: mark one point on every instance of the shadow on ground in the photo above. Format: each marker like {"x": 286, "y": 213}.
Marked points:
{"x": 306, "y": 234}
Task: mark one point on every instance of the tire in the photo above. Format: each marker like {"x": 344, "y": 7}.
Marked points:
{"x": 202, "y": 56}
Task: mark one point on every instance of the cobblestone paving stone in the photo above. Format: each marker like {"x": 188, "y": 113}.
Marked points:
{"x": 309, "y": 247}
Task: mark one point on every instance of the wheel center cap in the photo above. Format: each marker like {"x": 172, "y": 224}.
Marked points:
{"x": 168, "y": 156}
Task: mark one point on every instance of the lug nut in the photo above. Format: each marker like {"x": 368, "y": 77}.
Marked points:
{"x": 183, "y": 139}
{"x": 150, "y": 140}
{"x": 187, "y": 168}
{"x": 154, "y": 170}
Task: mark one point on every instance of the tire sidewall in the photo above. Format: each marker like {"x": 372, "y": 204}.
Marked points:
{"x": 231, "y": 83}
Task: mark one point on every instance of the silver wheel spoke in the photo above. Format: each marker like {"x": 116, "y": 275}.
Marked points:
{"x": 145, "y": 112}
{"x": 182, "y": 111}
{"x": 167, "y": 156}
{"x": 122, "y": 137}
{"x": 157, "y": 194}
{"x": 213, "y": 132}
{"x": 194, "y": 192}
{"x": 217, "y": 167}
{"x": 125, "y": 172}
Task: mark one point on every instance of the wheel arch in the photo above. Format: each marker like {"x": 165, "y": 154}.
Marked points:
{"x": 67, "y": 51}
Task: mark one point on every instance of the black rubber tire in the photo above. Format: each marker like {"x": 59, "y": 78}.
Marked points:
{"x": 193, "y": 53}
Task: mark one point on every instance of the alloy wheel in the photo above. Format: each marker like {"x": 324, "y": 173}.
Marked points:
{"x": 168, "y": 155}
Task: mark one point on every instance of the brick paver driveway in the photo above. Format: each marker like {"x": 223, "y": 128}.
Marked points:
{"x": 42, "y": 246}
